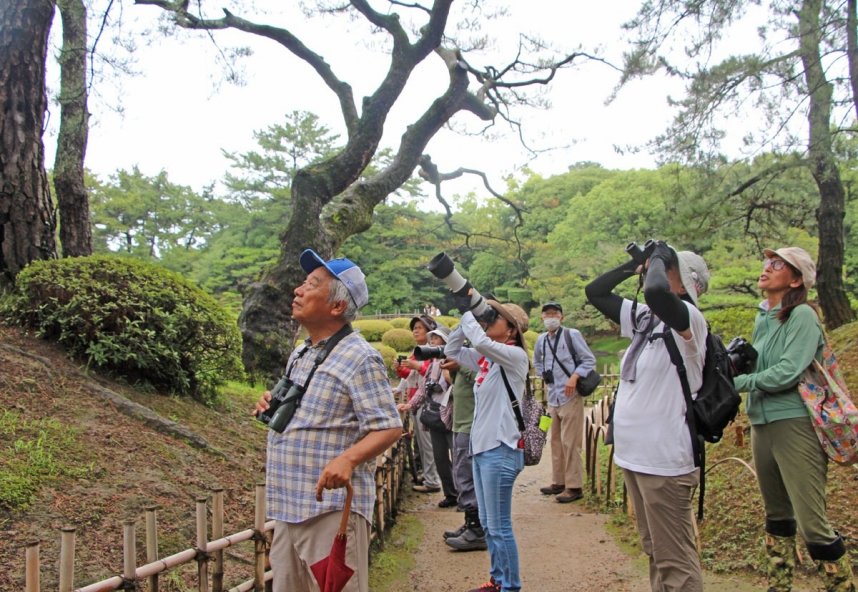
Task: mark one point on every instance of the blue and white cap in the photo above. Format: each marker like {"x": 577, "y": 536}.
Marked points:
{"x": 344, "y": 270}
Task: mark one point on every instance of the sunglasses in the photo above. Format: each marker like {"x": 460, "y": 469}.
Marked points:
{"x": 775, "y": 264}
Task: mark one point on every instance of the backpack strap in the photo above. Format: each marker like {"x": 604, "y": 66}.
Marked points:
{"x": 697, "y": 447}
{"x": 568, "y": 336}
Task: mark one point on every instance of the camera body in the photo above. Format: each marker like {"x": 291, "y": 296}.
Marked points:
{"x": 640, "y": 255}
{"x": 401, "y": 359}
{"x": 429, "y": 352}
{"x": 432, "y": 388}
{"x": 548, "y": 377}
{"x": 741, "y": 354}
{"x": 285, "y": 399}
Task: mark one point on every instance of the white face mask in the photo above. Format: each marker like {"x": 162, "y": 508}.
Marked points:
{"x": 551, "y": 323}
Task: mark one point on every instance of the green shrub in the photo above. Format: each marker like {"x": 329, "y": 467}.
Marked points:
{"x": 530, "y": 339}
{"x": 733, "y": 321}
{"x": 372, "y": 329}
{"x": 388, "y": 354}
{"x": 399, "y": 339}
{"x": 134, "y": 319}
{"x": 400, "y": 322}
{"x": 451, "y": 322}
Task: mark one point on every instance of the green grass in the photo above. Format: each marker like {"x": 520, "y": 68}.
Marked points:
{"x": 390, "y": 566}
{"x": 33, "y": 458}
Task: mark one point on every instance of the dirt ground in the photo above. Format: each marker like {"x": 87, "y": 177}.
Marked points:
{"x": 562, "y": 547}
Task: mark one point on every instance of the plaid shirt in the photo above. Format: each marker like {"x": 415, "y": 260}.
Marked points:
{"x": 348, "y": 397}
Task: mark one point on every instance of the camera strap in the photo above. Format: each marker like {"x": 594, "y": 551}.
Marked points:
{"x": 554, "y": 352}
{"x": 330, "y": 344}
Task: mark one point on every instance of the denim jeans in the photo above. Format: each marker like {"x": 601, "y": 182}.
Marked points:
{"x": 495, "y": 472}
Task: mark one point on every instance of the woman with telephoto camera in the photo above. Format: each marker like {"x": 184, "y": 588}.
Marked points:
{"x": 499, "y": 358}
{"x": 792, "y": 467}
{"x": 652, "y": 442}
{"x": 432, "y": 394}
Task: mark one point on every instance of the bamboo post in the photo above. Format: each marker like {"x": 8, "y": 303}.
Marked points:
{"x": 129, "y": 551}
{"x": 31, "y": 571}
{"x": 379, "y": 511}
{"x": 217, "y": 533}
{"x": 259, "y": 527}
{"x": 66, "y": 559}
{"x": 152, "y": 544}
{"x": 202, "y": 544}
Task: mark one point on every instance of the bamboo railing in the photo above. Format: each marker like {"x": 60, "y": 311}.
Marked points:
{"x": 208, "y": 554}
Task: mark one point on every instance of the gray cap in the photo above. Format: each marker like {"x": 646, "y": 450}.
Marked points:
{"x": 441, "y": 331}
{"x": 693, "y": 273}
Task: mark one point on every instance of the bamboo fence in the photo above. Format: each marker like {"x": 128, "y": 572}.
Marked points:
{"x": 209, "y": 554}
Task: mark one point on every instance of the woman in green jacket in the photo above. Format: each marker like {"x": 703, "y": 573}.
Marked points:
{"x": 791, "y": 466}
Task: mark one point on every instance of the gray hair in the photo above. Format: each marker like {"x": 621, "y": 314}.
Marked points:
{"x": 339, "y": 293}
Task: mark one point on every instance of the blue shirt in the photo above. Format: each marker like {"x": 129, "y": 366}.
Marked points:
{"x": 543, "y": 359}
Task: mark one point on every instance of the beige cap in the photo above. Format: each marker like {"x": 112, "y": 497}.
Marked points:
{"x": 511, "y": 312}
{"x": 799, "y": 259}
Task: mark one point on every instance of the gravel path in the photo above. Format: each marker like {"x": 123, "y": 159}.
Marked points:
{"x": 562, "y": 548}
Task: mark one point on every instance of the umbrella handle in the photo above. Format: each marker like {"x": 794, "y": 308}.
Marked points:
{"x": 347, "y": 510}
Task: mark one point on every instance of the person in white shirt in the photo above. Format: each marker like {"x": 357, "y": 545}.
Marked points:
{"x": 652, "y": 442}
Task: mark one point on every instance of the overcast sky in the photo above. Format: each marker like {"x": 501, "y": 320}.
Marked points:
{"x": 178, "y": 114}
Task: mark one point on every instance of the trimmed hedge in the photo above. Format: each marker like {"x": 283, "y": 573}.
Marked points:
{"x": 372, "y": 329}
{"x": 388, "y": 354}
{"x": 400, "y": 322}
{"x": 399, "y": 339}
{"x": 133, "y": 319}
{"x": 451, "y": 322}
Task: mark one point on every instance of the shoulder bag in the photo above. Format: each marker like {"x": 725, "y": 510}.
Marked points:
{"x": 528, "y": 415}
{"x": 832, "y": 412}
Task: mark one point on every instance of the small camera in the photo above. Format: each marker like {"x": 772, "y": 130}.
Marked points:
{"x": 741, "y": 354}
{"x": 432, "y": 388}
{"x": 548, "y": 377}
{"x": 429, "y": 352}
{"x": 285, "y": 399}
{"x": 401, "y": 359}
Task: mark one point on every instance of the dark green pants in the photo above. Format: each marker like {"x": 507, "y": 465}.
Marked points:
{"x": 792, "y": 471}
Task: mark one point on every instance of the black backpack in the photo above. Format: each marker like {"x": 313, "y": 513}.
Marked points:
{"x": 717, "y": 402}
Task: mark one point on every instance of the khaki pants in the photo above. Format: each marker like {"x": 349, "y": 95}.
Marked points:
{"x": 567, "y": 435}
{"x": 665, "y": 519}
{"x": 792, "y": 470}
{"x": 296, "y": 547}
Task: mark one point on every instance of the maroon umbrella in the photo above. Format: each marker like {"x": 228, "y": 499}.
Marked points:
{"x": 332, "y": 573}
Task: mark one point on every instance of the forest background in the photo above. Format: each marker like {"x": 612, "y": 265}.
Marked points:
{"x": 563, "y": 231}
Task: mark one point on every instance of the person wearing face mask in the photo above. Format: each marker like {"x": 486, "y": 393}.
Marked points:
{"x": 561, "y": 357}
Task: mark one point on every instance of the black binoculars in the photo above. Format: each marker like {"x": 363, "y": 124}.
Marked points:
{"x": 640, "y": 255}
{"x": 285, "y": 400}
{"x": 548, "y": 377}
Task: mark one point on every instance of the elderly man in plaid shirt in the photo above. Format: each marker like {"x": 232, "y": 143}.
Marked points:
{"x": 347, "y": 417}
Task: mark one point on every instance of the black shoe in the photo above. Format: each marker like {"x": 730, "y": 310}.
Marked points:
{"x": 552, "y": 489}
{"x": 447, "y": 502}
{"x": 473, "y": 539}
{"x": 451, "y": 534}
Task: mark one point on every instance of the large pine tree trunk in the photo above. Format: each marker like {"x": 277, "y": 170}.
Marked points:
{"x": 27, "y": 223}
{"x": 832, "y": 295}
{"x": 72, "y": 198}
